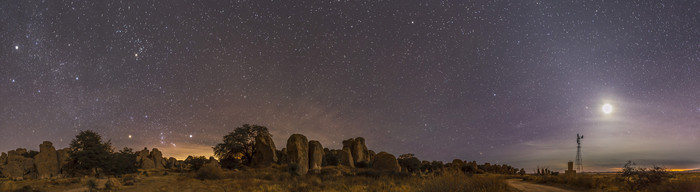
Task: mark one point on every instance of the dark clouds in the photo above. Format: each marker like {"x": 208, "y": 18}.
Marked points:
{"x": 508, "y": 82}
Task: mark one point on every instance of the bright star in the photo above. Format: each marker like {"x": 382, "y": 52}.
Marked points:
{"x": 129, "y": 136}
{"x": 190, "y": 135}
{"x": 13, "y": 80}
{"x": 76, "y": 78}
{"x": 607, "y": 108}
{"x": 16, "y": 47}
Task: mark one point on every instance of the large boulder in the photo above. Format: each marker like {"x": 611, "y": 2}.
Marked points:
{"x": 18, "y": 166}
{"x": 345, "y": 157}
{"x": 265, "y": 151}
{"x": 157, "y": 157}
{"x": 3, "y": 158}
{"x": 172, "y": 163}
{"x": 144, "y": 161}
{"x": 63, "y": 158}
{"x": 358, "y": 149}
{"x": 315, "y": 155}
{"x": 384, "y": 161}
{"x": 46, "y": 162}
{"x": 298, "y": 154}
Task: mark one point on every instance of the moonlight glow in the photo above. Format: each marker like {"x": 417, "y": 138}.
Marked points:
{"x": 607, "y": 108}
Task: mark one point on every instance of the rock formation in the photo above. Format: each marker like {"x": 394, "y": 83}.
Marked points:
{"x": 358, "y": 149}
{"x": 18, "y": 166}
{"x": 345, "y": 158}
{"x": 386, "y": 162}
{"x": 46, "y": 162}
{"x": 298, "y": 154}
{"x": 63, "y": 159}
{"x": 157, "y": 157}
{"x": 144, "y": 161}
{"x": 265, "y": 151}
{"x": 315, "y": 155}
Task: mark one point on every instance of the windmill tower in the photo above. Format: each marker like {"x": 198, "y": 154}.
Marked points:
{"x": 579, "y": 161}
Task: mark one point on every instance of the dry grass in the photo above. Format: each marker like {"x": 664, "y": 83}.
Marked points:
{"x": 278, "y": 178}
{"x": 611, "y": 182}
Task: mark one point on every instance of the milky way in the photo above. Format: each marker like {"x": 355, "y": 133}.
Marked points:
{"x": 503, "y": 82}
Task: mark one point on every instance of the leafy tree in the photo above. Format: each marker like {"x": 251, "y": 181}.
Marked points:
{"x": 409, "y": 162}
{"x": 89, "y": 152}
{"x": 122, "y": 162}
{"x": 240, "y": 141}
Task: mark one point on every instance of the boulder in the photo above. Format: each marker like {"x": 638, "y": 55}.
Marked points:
{"x": 298, "y": 154}
{"x": 265, "y": 151}
{"x": 157, "y": 157}
{"x": 3, "y": 158}
{"x": 345, "y": 158}
{"x": 409, "y": 164}
{"x": 46, "y": 162}
{"x": 18, "y": 166}
{"x": 147, "y": 163}
{"x": 315, "y": 155}
{"x": 358, "y": 149}
{"x": 63, "y": 158}
{"x": 113, "y": 183}
{"x": 172, "y": 163}
{"x": 384, "y": 161}
{"x": 282, "y": 156}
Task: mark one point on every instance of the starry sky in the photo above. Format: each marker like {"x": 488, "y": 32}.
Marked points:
{"x": 502, "y": 82}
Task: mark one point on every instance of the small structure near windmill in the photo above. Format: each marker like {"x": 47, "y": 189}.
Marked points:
{"x": 570, "y": 170}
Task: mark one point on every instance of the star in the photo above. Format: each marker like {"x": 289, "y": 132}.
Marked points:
{"x": 16, "y": 47}
{"x": 129, "y": 136}
{"x": 190, "y": 135}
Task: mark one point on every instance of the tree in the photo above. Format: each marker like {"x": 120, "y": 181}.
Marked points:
{"x": 122, "y": 162}
{"x": 89, "y": 152}
{"x": 240, "y": 141}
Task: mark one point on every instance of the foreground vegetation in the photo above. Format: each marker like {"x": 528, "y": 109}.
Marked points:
{"x": 275, "y": 178}
{"x": 630, "y": 178}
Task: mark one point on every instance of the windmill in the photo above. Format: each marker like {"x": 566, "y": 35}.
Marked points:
{"x": 579, "y": 161}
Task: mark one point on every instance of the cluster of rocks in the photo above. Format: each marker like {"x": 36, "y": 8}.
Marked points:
{"x": 303, "y": 156}
{"x": 154, "y": 160}
{"x": 18, "y": 164}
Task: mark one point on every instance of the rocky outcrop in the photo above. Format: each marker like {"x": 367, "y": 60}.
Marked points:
{"x": 358, "y": 149}
{"x": 46, "y": 162}
{"x": 63, "y": 158}
{"x": 386, "y": 162}
{"x": 18, "y": 166}
{"x": 172, "y": 163}
{"x": 265, "y": 151}
{"x": 345, "y": 158}
{"x": 144, "y": 161}
{"x": 315, "y": 155}
{"x": 298, "y": 154}
{"x": 3, "y": 158}
{"x": 157, "y": 157}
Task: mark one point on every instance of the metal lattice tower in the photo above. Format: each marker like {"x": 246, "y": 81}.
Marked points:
{"x": 579, "y": 161}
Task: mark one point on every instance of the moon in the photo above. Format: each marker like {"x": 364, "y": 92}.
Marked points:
{"x": 607, "y": 108}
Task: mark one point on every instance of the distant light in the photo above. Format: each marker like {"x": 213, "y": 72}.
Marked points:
{"x": 129, "y": 136}
{"x": 16, "y": 47}
{"x": 607, "y": 108}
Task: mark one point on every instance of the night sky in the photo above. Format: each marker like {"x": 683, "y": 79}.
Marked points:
{"x": 502, "y": 82}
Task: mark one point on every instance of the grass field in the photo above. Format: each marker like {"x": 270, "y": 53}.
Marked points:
{"x": 277, "y": 178}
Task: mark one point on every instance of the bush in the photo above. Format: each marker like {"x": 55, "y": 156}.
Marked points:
{"x": 637, "y": 178}
{"x": 210, "y": 171}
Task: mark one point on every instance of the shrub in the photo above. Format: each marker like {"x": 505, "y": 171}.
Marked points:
{"x": 637, "y": 178}
{"x": 210, "y": 171}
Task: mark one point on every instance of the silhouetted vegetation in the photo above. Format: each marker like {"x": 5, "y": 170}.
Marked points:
{"x": 121, "y": 163}
{"x": 88, "y": 153}
{"x": 240, "y": 142}
{"x": 30, "y": 154}
{"x": 637, "y": 178}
